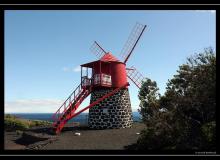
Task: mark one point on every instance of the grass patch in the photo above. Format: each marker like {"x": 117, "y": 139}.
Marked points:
{"x": 13, "y": 123}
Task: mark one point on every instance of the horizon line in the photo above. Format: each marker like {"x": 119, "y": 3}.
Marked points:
{"x": 40, "y": 112}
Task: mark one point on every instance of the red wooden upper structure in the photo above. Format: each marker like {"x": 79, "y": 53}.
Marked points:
{"x": 106, "y": 72}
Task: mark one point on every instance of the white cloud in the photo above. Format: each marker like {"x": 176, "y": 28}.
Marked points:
{"x": 77, "y": 69}
{"x": 65, "y": 69}
{"x": 44, "y": 105}
{"x": 31, "y": 106}
{"x": 37, "y": 105}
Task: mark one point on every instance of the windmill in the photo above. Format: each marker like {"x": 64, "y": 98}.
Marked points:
{"x": 110, "y": 105}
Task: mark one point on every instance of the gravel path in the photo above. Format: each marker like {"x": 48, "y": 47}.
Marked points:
{"x": 9, "y": 141}
{"x": 109, "y": 139}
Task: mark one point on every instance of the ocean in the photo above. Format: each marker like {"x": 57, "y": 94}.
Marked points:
{"x": 82, "y": 118}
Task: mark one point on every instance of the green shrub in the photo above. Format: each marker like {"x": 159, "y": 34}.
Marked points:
{"x": 36, "y": 123}
{"x": 187, "y": 120}
{"x": 15, "y": 124}
{"x": 10, "y": 116}
{"x": 209, "y": 134}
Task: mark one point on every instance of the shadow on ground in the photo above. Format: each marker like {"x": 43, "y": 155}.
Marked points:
{"x": 27, "y": 139}
{"x": 35, "y": 135}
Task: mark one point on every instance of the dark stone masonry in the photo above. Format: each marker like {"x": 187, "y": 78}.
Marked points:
{"x": 113, "y": 112}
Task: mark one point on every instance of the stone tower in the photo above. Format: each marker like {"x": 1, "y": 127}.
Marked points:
{"x": 113, "y": 112}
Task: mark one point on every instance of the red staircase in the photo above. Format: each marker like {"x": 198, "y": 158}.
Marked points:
{"x": 68, "y": 108}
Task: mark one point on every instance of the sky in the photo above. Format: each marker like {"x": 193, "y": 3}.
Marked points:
{"x": 44, "y": 49}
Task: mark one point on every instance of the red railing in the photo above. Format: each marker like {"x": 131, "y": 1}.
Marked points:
{"x": 70, "y": 112}
{"x": 61, "y": 124}
{"x": 74, "y": 96}
{"x": 100, "y": 99}
{"x": 68, "y": 108}
{"x": 102, "y": 80}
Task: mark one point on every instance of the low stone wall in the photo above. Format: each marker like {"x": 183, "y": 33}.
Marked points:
{"x": 113, "y": 112}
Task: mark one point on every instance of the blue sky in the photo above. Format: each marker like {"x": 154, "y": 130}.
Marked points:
{"x": 43, "y": 50}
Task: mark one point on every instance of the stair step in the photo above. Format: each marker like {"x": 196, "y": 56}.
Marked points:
{"x": 72, "y": 106}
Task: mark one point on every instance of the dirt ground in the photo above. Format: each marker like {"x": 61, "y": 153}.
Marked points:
{"x": 10, "y": 141}
{"x": 108, "y": 139}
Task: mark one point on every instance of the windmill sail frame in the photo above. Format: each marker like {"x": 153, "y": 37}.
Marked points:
{"x": 132, "y": 41}
{"x": 97, "y": 50}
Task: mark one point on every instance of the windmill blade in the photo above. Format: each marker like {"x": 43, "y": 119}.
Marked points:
{"x": 97, "y": 50}
{"x": 132, "y": 41}
{"x": 135, "y": 76}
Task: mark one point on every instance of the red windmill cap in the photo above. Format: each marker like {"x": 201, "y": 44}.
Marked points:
{"x": 109, "y": 57}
